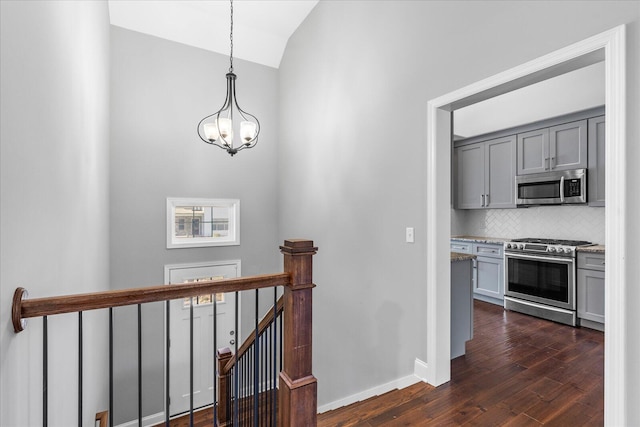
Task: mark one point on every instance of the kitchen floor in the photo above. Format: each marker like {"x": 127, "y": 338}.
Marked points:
{"x": 518, "y": 370}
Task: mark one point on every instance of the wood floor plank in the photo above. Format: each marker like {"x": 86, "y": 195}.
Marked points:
{"x": 517, "y": 371}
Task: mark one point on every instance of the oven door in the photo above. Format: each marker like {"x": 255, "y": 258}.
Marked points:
{"x": 543, "y": 279}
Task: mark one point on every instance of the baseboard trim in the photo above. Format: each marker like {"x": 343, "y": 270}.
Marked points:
{"x": 400, "y": 383}
{"x": 420, "y": 370}
{"x": 149, "y": 420}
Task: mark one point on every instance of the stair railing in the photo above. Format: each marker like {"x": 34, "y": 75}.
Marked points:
{"x": 248, "y": 379}
{"x": 297, "y": 390}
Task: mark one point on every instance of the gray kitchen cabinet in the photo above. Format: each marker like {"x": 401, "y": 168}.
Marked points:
{"x": 596, "y": 173}
{"x": 557, "y": 148}
{"x": 590, "y": 289}
{"x": 470, "y": 177}
{"x": 488, "y": 269}
{"x": 485, "y": 174}
{"x": 568, "y": 146}
{"x": 488, "y": 282}
{"x": 533, "y": 151}
{"x": 463, "y": 247}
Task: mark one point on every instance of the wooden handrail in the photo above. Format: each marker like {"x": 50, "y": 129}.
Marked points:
{"x": 264, "y": 324}
{"x": 25, "y": 308}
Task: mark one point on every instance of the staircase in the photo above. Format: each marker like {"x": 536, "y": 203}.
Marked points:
{"x": 268, "y": 382}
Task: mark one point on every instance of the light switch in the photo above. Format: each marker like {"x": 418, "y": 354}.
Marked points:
{"x": 409, "y": 235}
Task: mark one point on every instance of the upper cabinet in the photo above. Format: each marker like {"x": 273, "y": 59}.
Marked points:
{"x": 485, "y": 166}
{"x": 485, "y": 174}
{"x": 556, "y": 148}
{"x": 596, "y": 172}
{"x": 533, "y": 151}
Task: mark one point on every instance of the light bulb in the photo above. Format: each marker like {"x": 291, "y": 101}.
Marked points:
{"x": 211, "y": 131}
{"x": 247, "y": 131}
{"x": 226, "y": 128}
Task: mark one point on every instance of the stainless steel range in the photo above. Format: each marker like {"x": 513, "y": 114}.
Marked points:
{"x": 540, "y": 278}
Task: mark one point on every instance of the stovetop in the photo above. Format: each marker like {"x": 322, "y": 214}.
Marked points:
{"x": 553, "y": 241}
{"x": 554, "y": 247}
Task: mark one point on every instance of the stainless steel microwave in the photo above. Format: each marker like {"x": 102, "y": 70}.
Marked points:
{"x": 552, "y": 188}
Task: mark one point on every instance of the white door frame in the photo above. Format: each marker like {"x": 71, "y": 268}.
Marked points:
{"x": 610, "y": 47}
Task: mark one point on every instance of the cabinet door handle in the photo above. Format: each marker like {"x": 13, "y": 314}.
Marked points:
{"x": 482, "y": 198}
{"x": 487, "y": 199}
{"x": 553, "y": 163}
{"x": 546, "y": 164}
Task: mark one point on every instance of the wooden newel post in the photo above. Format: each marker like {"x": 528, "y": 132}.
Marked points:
{"x": 298, "y": 398}
{"x": 224, "y": 388}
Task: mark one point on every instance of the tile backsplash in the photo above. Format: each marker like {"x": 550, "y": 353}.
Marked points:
{"x": 556, "y": 222}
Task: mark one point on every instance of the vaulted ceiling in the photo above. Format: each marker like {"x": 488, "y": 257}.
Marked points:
{"x": 261, "y": 28}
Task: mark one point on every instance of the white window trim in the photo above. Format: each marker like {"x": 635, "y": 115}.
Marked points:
{"x": 200, "y": 242}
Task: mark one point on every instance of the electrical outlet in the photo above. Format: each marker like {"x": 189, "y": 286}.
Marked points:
{"x": 409, "y": 235}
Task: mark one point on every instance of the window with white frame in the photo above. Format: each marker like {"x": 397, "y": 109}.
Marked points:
{"x": 202, "y": 222}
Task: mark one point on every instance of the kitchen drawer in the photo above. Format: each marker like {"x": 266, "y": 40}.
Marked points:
{"x": 462, "y": 247}
{"x": 488, "y": 250}
{"x": 591, "y": 261}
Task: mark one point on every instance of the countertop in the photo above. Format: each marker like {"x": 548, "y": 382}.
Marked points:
{"x": 479, "y": 239}
{"x": 457, "y": 256}
{"x": 596, "y": 249}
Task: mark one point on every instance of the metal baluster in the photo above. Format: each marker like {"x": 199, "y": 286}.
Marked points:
{"x": 230, "y": 380}
{"x": 191, "y": 363}
{"x": 110, "y": 366}
{"x": 256, "y": 391}
{"x": 45, "y": 372}
{"x": 236, "y": 379}
{"x": 263, "y": 371}
{"x": 267, "y": 352}
{"x": 274, "y": 355}
{"x": 281, "y": 343}
{"x": 140, "y": 365}
{"x": 79, "y": 369}
{"x": 167, "y": 402}
{"x": 215, "y": 361}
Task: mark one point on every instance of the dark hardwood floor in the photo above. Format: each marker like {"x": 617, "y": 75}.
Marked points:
{"x": 518, "y": 371}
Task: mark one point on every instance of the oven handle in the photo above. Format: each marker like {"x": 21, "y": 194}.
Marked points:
{"x": 540, "y": 258}
{"x": 562, "y": 189}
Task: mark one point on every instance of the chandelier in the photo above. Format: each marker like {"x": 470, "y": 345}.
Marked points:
{"x": 218, "y": 128}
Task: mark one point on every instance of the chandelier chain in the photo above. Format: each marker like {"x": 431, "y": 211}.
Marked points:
{"x": 231, "y": 40}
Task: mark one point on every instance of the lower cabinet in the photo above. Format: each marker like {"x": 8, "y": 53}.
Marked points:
{"x": 590, "y": 290}
{"x": 488, "y": 269}
{"x": 489, "y": 283}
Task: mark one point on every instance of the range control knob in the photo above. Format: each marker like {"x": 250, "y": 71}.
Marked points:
{"x": 521, "y": 246}
{"x": 551, "y": 249}
{"x": 508, "y": 245}
{"x": 567, "y": 250}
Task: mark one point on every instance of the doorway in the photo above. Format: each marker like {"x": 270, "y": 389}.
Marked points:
{"x": 204, "y": 348}
{"x": 608, "y": 46}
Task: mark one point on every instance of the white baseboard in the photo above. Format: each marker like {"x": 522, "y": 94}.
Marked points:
{"x": 149, "y": 420}
{"x": 420, "y": 370}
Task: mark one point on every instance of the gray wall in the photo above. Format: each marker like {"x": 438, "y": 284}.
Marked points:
{"x": 54, "y": 207}
{"x": 159, "y": 92}
{"x": 355, "y": 81}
